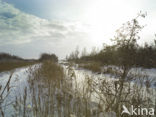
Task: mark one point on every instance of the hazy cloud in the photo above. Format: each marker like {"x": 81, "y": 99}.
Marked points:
{"x": 21, "y": 32}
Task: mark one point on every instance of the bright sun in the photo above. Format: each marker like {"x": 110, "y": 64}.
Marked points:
{"x": 105, "y": 16}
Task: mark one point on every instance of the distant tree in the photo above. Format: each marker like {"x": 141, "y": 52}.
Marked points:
{"x": 6, "y": 56}
{"x": 84, "y": 52}
{"x": 76, "y": 53}
{"x": 46, "y": 56}
{"x": 125, "y": 51}
{"x": 93, "y": 51}
{"x": 74, "y": 56}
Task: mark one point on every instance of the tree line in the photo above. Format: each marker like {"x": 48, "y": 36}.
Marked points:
{"x": 125, "y": 49}
{"x": 43, "y": 57}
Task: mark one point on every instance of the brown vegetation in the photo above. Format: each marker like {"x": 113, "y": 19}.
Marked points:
{"x": 7, "y": 66}
{"x": 93, "y": 66}
{"x": 123, "y": 50}
{"x": 45, "y": 57}
{"x": 9, "y": 62}
{"x": 126, "y": 54}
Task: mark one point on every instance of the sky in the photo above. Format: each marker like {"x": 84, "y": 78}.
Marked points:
{"x": 31, "y": 27}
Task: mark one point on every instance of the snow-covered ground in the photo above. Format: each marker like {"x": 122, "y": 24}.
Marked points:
{"x": 17, "y": 85}
{"x": 19, "y": 81}
{"x": 147, "y": 75}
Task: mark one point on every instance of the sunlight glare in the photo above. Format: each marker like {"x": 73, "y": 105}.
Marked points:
{"x": 105, "y": 16}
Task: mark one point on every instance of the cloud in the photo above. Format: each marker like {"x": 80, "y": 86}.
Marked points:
{"x": 20, "y": 31}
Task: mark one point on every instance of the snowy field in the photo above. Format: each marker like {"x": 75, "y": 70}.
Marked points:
{"x": 19, "y": 81}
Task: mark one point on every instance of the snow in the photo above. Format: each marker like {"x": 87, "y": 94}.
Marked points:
{"x": 18, "y": 83}
{"x": 20, "y": 76}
